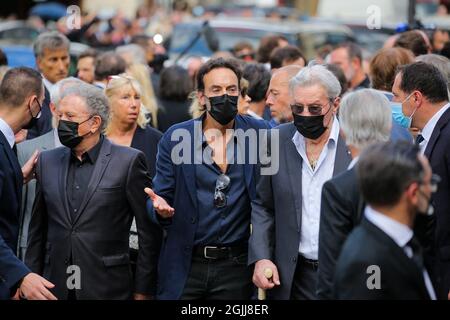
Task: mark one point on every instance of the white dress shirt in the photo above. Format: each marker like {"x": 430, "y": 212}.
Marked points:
{"x": 48, "y": 84}
{"x": 427, "y": 131}
{"x": 401, "y": 234}
{"x": 7, "y": 132}
{"x": 251, "y": 113}
{"x": 312, "y": 182}
{"x": 353, "y": 163}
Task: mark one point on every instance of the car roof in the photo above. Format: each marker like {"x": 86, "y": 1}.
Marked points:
{"x": 263, "y": 24}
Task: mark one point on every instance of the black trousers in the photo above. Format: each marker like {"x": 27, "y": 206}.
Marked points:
{"x": 219, "y": 279}
{"x": 305, "y": 280}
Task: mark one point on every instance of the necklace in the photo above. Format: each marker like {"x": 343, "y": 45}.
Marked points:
{"x": 313, "y": 164}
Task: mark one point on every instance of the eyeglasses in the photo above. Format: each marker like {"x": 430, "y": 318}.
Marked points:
{"x": 246, "y": 56}
{"x": 220, "y": 198}
{"x": 313, "y": 109}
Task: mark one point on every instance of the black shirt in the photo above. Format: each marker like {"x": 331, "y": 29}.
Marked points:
{"x": 79, "y": 175}
{"x": 229, "y": 225}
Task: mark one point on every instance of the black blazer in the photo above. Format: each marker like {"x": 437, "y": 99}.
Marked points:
{"x": 172, "y": 112}
{"x": 11, "y": 268}
{"x": 368, "y": 245}
{"x": 44, "y": 123}
{"x": 438, "y": 153}
{"x": 97, "y": 240}
{"x": 277, "y": 210}
{"x": 146, "y": 140}
{"x": 342, "y": 208}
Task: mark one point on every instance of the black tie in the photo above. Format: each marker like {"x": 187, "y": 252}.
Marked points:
{"x": 419, "y": 139}
{"x": 15, "y": 149}
{"x": 417, "y": 252}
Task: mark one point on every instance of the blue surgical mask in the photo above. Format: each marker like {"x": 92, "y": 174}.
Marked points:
{"x": 398, "y": 116}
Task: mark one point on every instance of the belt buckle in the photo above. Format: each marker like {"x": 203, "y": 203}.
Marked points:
{"x": 205, "y": 249}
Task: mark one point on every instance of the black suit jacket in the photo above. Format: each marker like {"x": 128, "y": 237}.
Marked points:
{"x": 342, "y": 208}
{"x": 11, "y": 181}
{"x": 438, "y": 153}
{"x": 44, "y": 123}
{"x": 97, "y": 239}
{"x": 146, "y": 140}
{"x": 277, "y": 210}
{"x": 366, "y": 246}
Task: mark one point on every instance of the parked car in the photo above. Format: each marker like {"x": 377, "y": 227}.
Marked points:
{"x": 16, "y": 40}
{"x": 308, "y": 36}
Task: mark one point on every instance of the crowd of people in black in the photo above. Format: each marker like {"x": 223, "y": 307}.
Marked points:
{"x": 101, "y": 173}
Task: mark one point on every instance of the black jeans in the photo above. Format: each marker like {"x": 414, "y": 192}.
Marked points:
{"x": 305, "y": 280}
{"x": 219, "y": 279}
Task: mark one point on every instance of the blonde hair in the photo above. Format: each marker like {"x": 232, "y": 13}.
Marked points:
{"x": 118, "y": 82}
{"x": 141, "y": 73}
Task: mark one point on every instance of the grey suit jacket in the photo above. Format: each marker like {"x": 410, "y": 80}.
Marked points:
{"x": 277, "y": 210}
{"x": 24, "y": 152}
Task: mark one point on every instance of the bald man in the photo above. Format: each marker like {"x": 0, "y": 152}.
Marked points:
{"x": 278, "y": 93}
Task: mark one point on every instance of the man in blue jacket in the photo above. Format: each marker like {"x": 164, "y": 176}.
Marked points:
{"x": 205, "y": 181}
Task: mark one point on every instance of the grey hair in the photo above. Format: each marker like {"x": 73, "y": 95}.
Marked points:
{"x": 136, "y": 51}
{"x": 50, "y": 40}
{"x": 316, "y": 74}
{"x": 440, "y": 62}
{"x": 95, "y": 99}
{"x": 365, "y": 118}
{"x": 60, "y": 86}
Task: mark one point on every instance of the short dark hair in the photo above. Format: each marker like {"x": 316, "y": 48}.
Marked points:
{"x": 353, "y": 50}
{"x": 288, "y": 53}
{"x": 385, "y": 170}
{"x": 109, "y": 64}
{"x": 425, "y": 78}
{"x": 340, "y": 75}
{"x": 267, "y": 45}
{"x": 18, "y": 84}
{"x": 217, "y": 63}
{"x": 412, "y": 40}
{"x": 88, "y": 53}
{"x": 3, "y": 58}
{"x": 258, "y": 78}
{"x": 174, "y": 84}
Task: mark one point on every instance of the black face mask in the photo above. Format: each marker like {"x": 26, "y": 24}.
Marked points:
{"x": 34, "y": 119}
{"x": 310, "y": 127}
{"x": 68, "y": 133}
{"x": 223, "y": 108}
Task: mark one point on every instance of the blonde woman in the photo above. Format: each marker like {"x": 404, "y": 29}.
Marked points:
{"x": 141, "y": 73}
{"x": 128, "y": 126}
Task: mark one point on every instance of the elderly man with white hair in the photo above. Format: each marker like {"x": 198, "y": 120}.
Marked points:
{"x": 88, "y": 193}
{"x": 365, "y": 119}
{"x": 286, "y": 212}
{"x": 48, "y": 141}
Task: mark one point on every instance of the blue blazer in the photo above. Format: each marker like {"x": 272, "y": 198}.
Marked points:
{"x": 175, "y": 182}
{"x": 11, "y": 268}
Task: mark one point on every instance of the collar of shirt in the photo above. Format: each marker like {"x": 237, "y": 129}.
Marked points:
{"x": 8, "y": 132}
{"x": 299, "y": 141}
{"x": 56, "y": 138}
{"x": 427, "y": 131}
{"x": 92, "y": 154}
{"x": 48, "y": 84}
{"x": 254, "y": 115}
{"x": 399, "y": 232}
{"x": 353, "y": 163}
